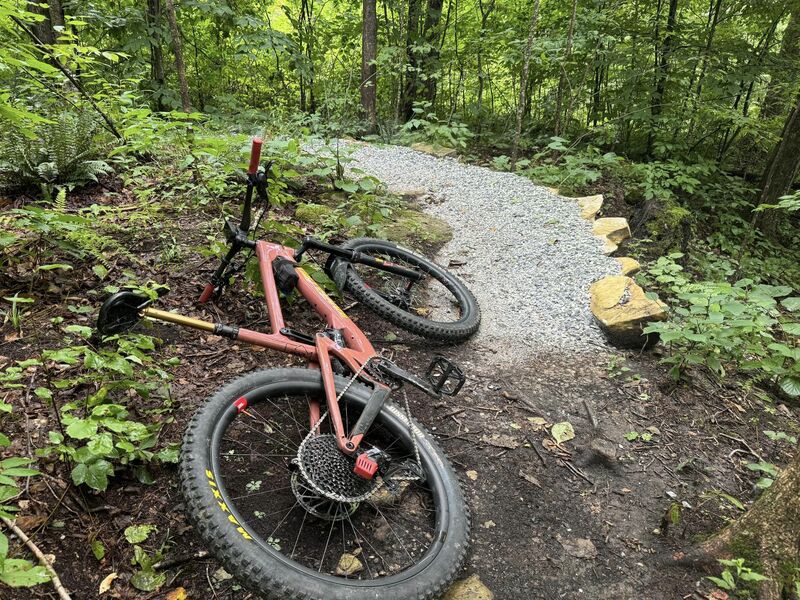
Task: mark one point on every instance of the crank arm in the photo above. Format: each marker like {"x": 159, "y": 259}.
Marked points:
{"x": 395, "y": 372}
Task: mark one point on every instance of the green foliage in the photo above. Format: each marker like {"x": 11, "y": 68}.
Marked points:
{"x": 15, "y": 572}
{"x": 99, "y": 435}
{"x": 64, "y": 152}
{"x": 103, "y": 438}
{"x": 426, "y": 126}
{"x": 735, "y": 574}
{"x": 743, "y": 326}
{"x": 146, "y": 578}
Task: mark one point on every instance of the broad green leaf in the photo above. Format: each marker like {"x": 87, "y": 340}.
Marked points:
{"x": 148, "y": 580}
{"x": 136, "y": 534}
{"x": 22, "y": 573}
{"x": 562, "y": 432}
{"x": 790, "y": 386}
{"x": 792, "y": 304}
{"x": 81, "y": 429}
{"x": 98, "y": 549}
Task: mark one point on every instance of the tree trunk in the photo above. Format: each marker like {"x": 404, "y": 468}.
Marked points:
{"x": 430, "y": 62}
{"x": 177, "y": 48}
{"x": 771, "y": 528}
{"x": 409, "y": 95}
{"x": 485, "y": 12}
{"x": 562, "y": 79}
{"x": 153, "y": 19}
{"x": 784, "y": 76}
{"x": 523, "y": 83}
{"x": 780, "y": 173}
{"x": 369, "y": 52}
{"x": 43, "y": 30}
{"x": 657, "y": 98}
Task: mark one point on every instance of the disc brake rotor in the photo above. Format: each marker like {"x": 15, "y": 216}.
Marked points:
{"x": 329, "y": 472}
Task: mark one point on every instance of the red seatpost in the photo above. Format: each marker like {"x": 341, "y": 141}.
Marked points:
{"x": 255, "y": 155}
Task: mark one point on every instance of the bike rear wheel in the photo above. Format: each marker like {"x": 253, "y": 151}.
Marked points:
{"x": 279, "y": 537}
{"x": 440, "y": 307}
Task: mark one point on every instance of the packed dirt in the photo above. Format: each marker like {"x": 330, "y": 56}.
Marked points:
{"x": 603, "y": 515}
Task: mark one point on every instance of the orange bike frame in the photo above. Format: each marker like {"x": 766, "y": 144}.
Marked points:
{"x": 355, "y": 355}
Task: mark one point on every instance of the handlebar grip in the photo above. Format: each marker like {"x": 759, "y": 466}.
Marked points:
{"x": 207, "y": 291}
{"x": 255, "y": 155}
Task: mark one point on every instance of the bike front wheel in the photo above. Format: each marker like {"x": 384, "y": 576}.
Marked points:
{"x": 274, "y": 531}
{"x": 440, "y": 307}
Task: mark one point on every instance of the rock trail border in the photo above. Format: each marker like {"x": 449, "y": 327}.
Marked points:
{"x": 526, "y": 253}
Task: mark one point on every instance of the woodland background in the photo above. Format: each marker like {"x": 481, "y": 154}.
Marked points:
{"x": 684, "y": 113}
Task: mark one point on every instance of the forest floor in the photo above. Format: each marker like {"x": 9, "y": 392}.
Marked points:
{"x": 600, "y": 516}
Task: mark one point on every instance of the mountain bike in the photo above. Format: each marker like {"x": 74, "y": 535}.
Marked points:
{"x": 313, "y": 483}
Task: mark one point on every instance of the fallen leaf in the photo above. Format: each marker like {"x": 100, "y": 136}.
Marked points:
{"x": 530, "y": 478}
{"x": 538, "y": 423}
{"x": 501, "y": 440}
{"x": 562, "y": 432}
{"x": 507, "y": 395}
{"x": 105, "y": 585}
{"x": 719, "y": 595}
{"x": 177, "y": 594}
{"x": 473, "y": 475}
{"x": 654, "y": 430}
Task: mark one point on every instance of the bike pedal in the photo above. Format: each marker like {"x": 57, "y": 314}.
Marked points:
{"x": 445, "y": 376}
{"x": 366, "y": 466}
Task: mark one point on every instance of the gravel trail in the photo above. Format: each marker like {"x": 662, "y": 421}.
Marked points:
{"x": 528, "y": 255}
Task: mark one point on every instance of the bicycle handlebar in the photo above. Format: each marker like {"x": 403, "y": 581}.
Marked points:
{"x": 255, "y": 155}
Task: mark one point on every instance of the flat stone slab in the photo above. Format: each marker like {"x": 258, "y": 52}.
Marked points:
{"x": 615, "y": 229}
{"x": 590, "y": 206}
{"x": 628, "y": 265}
{"x": 622, "y": 310}
{"x": 434, "y": 149}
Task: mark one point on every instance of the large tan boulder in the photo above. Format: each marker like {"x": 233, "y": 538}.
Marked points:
{"x": 590, "y": 206}
{"x": 615, "y": 229}
{"x": 471, "y": 588}
{"x": 628, "y": 266}
{"x": 622, "y": 310}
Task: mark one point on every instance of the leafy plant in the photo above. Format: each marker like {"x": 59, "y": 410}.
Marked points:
{"x": 14, "y": 315}
{"x": 745, "y": 326}
{"x": 64, "y": 152}
{"x": 734, "y": 574}
{"x": 108, "y": 438}
{"x": 426, "y": 126}
{"x": 15, "y": 572}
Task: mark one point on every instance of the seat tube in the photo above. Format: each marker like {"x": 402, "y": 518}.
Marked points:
{"x": 270, "y": 288}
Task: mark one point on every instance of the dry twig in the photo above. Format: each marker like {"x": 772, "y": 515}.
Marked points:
{"x": 62, "y": 592}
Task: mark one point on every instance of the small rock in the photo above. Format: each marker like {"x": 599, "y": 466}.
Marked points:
{"x": 489, "y": 524}
{"x": 221, "y": 575}
{"x": 473, "y": 475}
{"x": 471, "y": 588}
{"x": 349, "y": 565}
{"x": 604, "y": 451}
{"x": 578, "y": 547}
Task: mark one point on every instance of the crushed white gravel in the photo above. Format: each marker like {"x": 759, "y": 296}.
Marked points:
{"x": 527, "y": 254}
